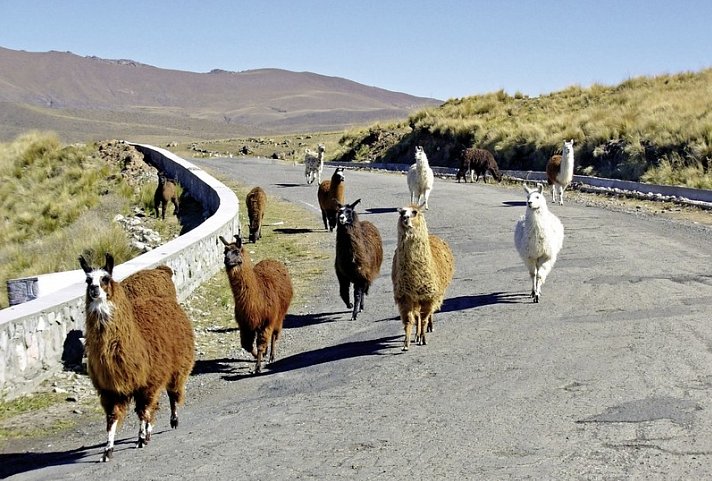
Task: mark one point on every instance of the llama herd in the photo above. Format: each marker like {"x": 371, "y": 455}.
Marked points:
{"x": 139, "y": 340}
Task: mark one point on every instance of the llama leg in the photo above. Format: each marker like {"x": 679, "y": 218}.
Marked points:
{"x": 561, "y": 195}
{"x": 273, "y": 346}
{"x": 176, "y": 393}
{"x": 531, "y": 265}
{"x": 426, "y": 314}
{"x": 263, "y": 339}
{"x": 541, "y": 274}
{"x": 115, "y": 408}
{"x": 323, "y": 218}
{"x": 408, "y": 319}
{"x": 146, "y": 407}
{"x": 344, "y": 286}
{"x": 553, "y": 193}
{"x": 176, "y": 206}
{"x": 358, "y": 301}
{"x": 427, "y": 195}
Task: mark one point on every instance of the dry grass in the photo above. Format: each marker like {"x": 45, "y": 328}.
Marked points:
{"x": 57, "y": 202}
{"x": 648, "y": 117}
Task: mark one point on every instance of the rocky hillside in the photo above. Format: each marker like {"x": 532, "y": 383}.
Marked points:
{"x": 88, "y": 98}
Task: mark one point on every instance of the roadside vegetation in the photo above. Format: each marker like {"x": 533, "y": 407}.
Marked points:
{"x": 655, "y": 129}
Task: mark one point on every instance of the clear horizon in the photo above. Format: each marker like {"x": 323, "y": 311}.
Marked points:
{"x": 458, "y": 49}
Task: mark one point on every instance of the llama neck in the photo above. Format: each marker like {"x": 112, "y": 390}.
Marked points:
{"x": 111, "y": 325}
{"x": 242, "y": 279}
{"x": 567, "y": 165}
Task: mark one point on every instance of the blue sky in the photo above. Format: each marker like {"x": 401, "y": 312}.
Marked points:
{"x": 441, "y": 48}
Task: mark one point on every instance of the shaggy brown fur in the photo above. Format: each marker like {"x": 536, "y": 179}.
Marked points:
{"x": 262, "y": 296}
{"x": 331, "y": 193}
{"x": 359, "y": 255}
{"x": 135, "y": 348}
{"x": 256, "y": 201}
{"x": 553, "y": 167}
{"x": 166, "y": 191}
{"x": 423, "y": 266}
{"x": 158, "y": 282}
{"x": 478, "y": 161}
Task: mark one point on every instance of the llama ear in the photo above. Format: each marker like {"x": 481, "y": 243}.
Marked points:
{"x": 222, "y": 239}
{"x": 109, "y": 264}
{"x": 356, "y": 202}
{"x": 238, "y": 241}
{"x": 540, "y": 187}
{"x": 85, "y": 265}
{"x": 527, "y": 189}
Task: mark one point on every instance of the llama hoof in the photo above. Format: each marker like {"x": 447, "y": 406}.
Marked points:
{"x": 404, "y": 348}
{"x": 141, "y": 443}
{"x": 536, "y": 298}
{"x": 349, "y": 305}
{"x": 174, "y": 422}
{"x": 108, "y": 454}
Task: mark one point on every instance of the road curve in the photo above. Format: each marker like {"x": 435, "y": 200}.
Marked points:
{"x": 608, "y": 377}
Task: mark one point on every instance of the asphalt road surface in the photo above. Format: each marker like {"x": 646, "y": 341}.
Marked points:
{"x": 608, "y": 377}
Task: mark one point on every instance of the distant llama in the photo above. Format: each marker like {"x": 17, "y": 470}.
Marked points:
{"x": 420, "y": 178}
{"x": 560, "y": 171}
{"x": 314, "y": 164}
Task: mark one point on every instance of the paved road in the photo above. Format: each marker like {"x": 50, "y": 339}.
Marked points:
{"x": 609, "y": 377}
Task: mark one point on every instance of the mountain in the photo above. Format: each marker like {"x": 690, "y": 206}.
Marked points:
{"x": 89, "y": 98}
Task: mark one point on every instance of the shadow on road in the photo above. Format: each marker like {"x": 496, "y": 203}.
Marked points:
{"x": 291, "y": 185}
{"x": 293, "y": 230}
{"x": 15, "y": 463}
{"x": 515, "y": 203}
{"x": 302, "y": 320}
{"x": 382, "y": 210}
{"x": 470, "y": 302}
{"x": 217, "y": 366}
{"x": 370, "y": 347}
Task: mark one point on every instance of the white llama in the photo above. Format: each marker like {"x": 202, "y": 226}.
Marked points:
{"x": 560, "y": 171}
{"x": 420, "y": 178}
{"x": 314, "y": 164}
{"x": 538, "y": 237}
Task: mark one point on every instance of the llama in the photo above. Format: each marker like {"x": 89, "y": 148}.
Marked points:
{"x": 423, "y": 266}
{"x": 262, "y": 296}
{"x": 135, "y": 348}
{"x": 538, "y": 237}
{"x": 331, "y": 193}
{"x": 359, "y": 254}
{"x": 420, "y": 178}
{"x": 478, "y": 161}
{"x": 256, "y": 201}
{"x": 314, "y": 164}
{"x": 560, "y": 171}
{"x": 166, "y": 191}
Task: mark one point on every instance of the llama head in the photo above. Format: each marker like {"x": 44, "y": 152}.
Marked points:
{"x": 420, "y": 154}
{"x": 338, "y": 175}
{"x": 535, "y": 197}
{"x": 346, "y": 214}
{"x": 234, "y": 252}
{"x": 99, "y": 285}
{"x": 321, "y": 148}
{"x": 568, "y": 147}
{"x": 411, "y": 218}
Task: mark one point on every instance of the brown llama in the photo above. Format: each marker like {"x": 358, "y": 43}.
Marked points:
{"x": 262, "y": 296}
{"x": 331, "y": 193}
{"x": 256, "y": 201}
{"x": 136, "y": 347}
{"x": 359, "y": 255}
{"x": 166, "y": 191}
{"x": 477, "y": 162}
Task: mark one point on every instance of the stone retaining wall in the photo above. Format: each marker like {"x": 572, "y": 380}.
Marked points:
{"x": 36, "y": 337}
